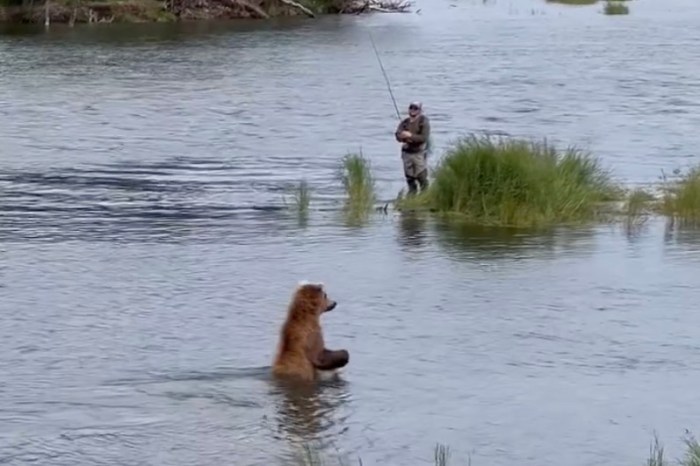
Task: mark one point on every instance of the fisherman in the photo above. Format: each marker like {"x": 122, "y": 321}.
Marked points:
{"x": 414, "y": 134}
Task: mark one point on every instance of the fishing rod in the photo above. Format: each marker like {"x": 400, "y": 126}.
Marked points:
{"x": 429, "y": 142}
{"x": 386, "y": 78}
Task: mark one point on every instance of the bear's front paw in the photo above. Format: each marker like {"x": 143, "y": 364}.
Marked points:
{"x": 343, "y": 358}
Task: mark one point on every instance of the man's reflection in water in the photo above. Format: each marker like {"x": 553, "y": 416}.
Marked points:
{"x": 412, "y": 227}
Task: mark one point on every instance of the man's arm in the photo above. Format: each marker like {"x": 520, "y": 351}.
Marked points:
{"x": 424, "y": 133}
{"x": 399, "y": 130}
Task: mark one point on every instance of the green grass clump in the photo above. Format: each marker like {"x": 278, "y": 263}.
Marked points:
{"x": 692, "y": 452}
{"x": 616, "y": 8}
{"x": 514, "y": 182}
{"x": 358, "y": 182}
{"x": 311, "y": 457}
{"x": 656, "y": 454}
{"x": 301, "y": 199}
{"x": 639, "y": 202}
{"x": 681, "y": 197}
{"x": 691, "y": 457}
{"x": 636, "y": 208}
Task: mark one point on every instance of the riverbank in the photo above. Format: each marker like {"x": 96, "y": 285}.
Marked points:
{"x": 133, "y": 11}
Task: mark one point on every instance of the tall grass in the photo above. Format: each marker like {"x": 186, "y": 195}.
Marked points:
{"x": 636, "y": 209}
{"x": 637, "y": 202}
{"x": 441, "y": 456}
{"x": 359, "y": 183}
{"x": 692, "y": 452}
{"x": 616, "y": 8}
{"x": 517, "y": 183}
{"x": 301, "y": 198}
{"x": 681, "y": 198}
{"x": 311, "y": 457}
{"x": 656, "y": 453}
{"x": 691, "y": 457}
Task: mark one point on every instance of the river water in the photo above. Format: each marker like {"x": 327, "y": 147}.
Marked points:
{"x": 147, "y": 257}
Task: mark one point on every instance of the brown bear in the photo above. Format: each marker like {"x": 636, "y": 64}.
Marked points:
{"x": 301, "y": 352}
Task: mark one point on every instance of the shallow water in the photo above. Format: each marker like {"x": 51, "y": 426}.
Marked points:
{"x": 147, "y": 256}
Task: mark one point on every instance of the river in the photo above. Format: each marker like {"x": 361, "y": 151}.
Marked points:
{"x": 147, "y": 257}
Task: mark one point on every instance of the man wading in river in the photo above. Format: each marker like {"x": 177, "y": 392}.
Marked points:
{"x": 414, "y": 133}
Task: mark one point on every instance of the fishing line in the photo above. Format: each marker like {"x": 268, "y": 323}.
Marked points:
{"x": 386, "y": 78}
{"x": 429, "y": 142}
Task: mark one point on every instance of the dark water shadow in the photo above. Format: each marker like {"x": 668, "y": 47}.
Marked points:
{"x": 131, "y": 201}
{"x": 308, "y": 414}
{"x": 175, "y": 33}
{"x": 133, "y": 33}
{"x": 465, "y": 241}
{"x": 412, "y": 230}
{"x": 353, "y": 218}
{"x": 679, "y": 234}
{"x": 635, "y": 229}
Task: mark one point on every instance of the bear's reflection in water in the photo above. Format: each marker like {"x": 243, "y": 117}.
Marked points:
{"x": 311, "y": 412}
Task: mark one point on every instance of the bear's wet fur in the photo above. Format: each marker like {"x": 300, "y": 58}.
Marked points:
{"x": 301, "y": 353}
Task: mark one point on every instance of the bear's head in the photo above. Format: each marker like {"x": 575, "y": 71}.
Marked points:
{"x": 312, "y": 299}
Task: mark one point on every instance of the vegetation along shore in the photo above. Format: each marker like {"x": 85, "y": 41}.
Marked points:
{"x": 521, "y": 183}
{"x": 114, "y": 11}
{"x": 133, "y": 11}
{"x": 442, "y": 456}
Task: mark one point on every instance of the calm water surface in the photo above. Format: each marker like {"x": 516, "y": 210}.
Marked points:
{"x": 147, "y": 258}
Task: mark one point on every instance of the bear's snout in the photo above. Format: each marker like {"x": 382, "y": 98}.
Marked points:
{"x": 331, "y": 305}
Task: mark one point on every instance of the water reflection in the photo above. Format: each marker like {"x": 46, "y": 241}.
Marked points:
{"x": 140, "y": 33}
{"x": 355, "y": 217}
{"x": 412, "y": 230}
{"x": 310, "y": 413}
{"x": 635, "y": 227}
{"x": 463, "y": 240}
{"x": 682, "y": 233}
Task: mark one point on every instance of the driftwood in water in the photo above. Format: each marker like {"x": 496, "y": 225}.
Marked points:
{"x": 252, "y": 8}
{"x": 243, "y": 5}
{"x": 299, "y": 7}
{"x": 381, "y": 6}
